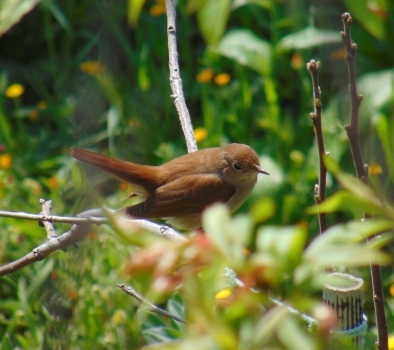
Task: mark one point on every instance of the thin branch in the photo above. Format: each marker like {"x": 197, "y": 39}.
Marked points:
{"x": 362, "y": 174}
{"x": 176, "y": 81}
{"x": 46, "y": 211}
{"x": 320, "y": 190}
{"x": 153, "y": 308}
{"x": 78, "y": 232}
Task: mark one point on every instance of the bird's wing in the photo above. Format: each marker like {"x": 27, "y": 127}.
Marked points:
{"x": 186, "y": 195}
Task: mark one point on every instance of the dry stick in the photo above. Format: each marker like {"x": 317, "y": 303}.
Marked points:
{"x": 77, "y": 233}
{"x": 352, "y": 133}
{"x": 176, "y": 81}
{"x": 46, "y": 210}
{"x": 152, "y": 308}
{"x": 320, "y": 190}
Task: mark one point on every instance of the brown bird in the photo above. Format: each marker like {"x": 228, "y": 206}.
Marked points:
{"x": 181, "y": 189}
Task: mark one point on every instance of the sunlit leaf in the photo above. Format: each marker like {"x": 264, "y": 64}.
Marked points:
{"x": 263, "y": 209}
{"x": 11, "y": 11}
{"x": 212, "y": 19}
{"x": 291, "y": 334}
{"x": 286, "y": 243}
{"x": 247, "y": 49}
{"x": 134, "y": 11}
{"x": 308, "y": 38}
{"x": 383, "y": 129}
{"x": 372, "y": 22}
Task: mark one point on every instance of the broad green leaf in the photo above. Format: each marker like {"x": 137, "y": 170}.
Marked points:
{"x": 229, "y": 235}
{"x": 285, "y": 243}
{"x": 293, "y": 336}
{"x": 247, "y": 49}
{"x": 372, "y": 22}
{"x": 11, "y": 11}
{"x": 134, "y": 11}
{"x": 349, "y": 233}
{"x": 212, "y": 19}
{"x": 383, "y": 129}
{"x": 308, "y": 38}
{"x": 263, "y": 209}
{"x": 346, "y": 201}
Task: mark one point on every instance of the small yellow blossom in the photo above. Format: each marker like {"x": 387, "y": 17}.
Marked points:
{"x": 14, "y": 91}
{"x": 223, "y": 294}
{"x": 52, "y": 182}
{"x": 5, "y": 161}
{"x": 222, "y": 79}
{"x": 375, "y": 169}
{"x": 200, "y": 134}
{"x": 119, "y": 318}
{"x": 296, "y": 61}
{"x": 391, "y": 290}
{"x": 91, "y": 67}
{"x": 205, "y": 76}
{"x": 391, "y": 342}
{"x": 157, "y": 9}
{"x": 42, "y": 105}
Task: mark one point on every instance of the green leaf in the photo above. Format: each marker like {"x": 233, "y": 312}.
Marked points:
{"x": 40, "y": 276}
{"x": 57, "y": 13}
{"x": 262, "y": 209}
{"x": 373, "y": 23}
{"x": 212, "y": 18}
{"x": 293, "y": 336}
{"x": 346, "y": 201}
{"x": 134, "y": 11}
{"x": 308, "y": 38}
{"x": 11, "y": 11}
{"x": 383, "y": 129}
{"x": 229, "y": 235}
{"x": 344, "y": 245}
{"x": 247, "y": 49}
{"x": 286, "y": 243}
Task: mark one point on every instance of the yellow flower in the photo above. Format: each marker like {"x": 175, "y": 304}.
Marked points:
{"x": 91, "y": 67}
{"x": 375, "y": 169}
{"x": 157, "y": 10}
{"x": 5, "y": 161}
{"x": 223, "y": 294}
{"x": 205, "y": 75}
{"x": 222, "y": 79}
{"x": 200, "y": 134}
{"x": 14, "y": 91}
{"x": 391, "y": 290}
{"x": 391, "y": 342}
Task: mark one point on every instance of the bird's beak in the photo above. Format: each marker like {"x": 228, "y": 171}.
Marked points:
{"x": 261, "y": 171}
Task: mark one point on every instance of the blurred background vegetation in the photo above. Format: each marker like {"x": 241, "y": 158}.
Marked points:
{"x": 94, "y": 74}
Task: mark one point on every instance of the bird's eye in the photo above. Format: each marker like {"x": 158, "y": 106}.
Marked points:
{"x": 236, "y": 167}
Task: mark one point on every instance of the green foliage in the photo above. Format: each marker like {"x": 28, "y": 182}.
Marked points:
{"x": 95, "y": 75}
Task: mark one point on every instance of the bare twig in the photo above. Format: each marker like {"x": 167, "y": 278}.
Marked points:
{"x": 361, "y": 170}
{"x": 153, "y": 308}
{"x": 176, "y": 81}
{"x": 46, "y": 211}
{"x": 320, "y": 190}
{"x": 78, "y": 232}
